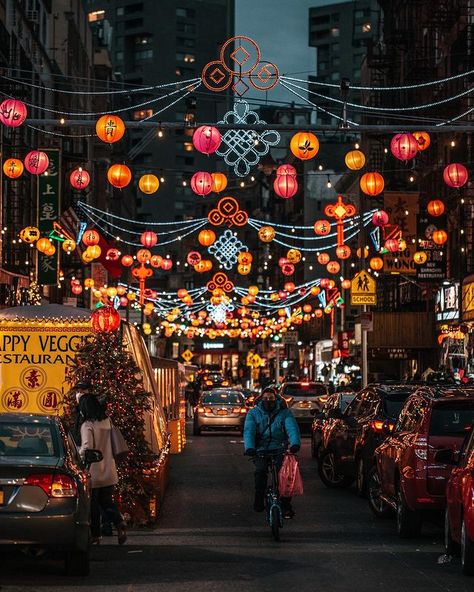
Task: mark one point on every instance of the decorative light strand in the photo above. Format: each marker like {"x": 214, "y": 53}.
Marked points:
{"x": 84, "y": 205}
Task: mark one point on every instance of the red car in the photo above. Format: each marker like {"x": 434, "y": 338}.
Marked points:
{"x": 459, "y": 517}
{"x": 408, "y": 477}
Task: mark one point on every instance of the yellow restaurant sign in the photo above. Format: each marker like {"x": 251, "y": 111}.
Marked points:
{"x": 468, "y": 299}
{"x": 34, "y": 360}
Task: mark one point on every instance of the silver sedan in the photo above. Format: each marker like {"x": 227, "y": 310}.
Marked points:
{"x": 220, "y": 409}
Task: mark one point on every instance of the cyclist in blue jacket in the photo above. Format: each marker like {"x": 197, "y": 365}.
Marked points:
{"x": 270, "y": 427}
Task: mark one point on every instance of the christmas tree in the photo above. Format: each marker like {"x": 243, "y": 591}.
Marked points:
{"x": 118, "y": 381}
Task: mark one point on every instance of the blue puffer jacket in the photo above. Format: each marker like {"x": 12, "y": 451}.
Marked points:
{"x": 265, "y": 430}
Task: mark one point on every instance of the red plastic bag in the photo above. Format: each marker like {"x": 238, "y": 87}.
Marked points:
{"x": 289, "y": 478}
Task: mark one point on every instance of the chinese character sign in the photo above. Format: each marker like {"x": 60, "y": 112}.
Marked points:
{"x": 48, "y": 212}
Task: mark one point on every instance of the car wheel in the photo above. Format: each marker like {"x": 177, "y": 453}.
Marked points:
{"x": 374, "y": 491}
{"x": 328, "y": 473}
{"x": 196, "y": 429}
{"x": 361, "y": 479}
{"x": 408, "y": 521}
{"x": 467, "y": 552}
{"x": 451, "y": 547}
{"x": 76, "y": 562}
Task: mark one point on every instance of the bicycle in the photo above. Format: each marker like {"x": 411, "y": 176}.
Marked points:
{"x": 273, "y": 507}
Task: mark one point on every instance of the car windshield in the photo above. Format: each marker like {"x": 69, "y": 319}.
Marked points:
{"x": 22, "y": 439}
{"x": 223, "y": 397}
{"x": 304, "y": 389}
{"x": 452, "y": 419}
{"x": 393, "y": 404}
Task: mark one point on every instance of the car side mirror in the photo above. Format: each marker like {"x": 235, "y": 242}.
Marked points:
{"x": 446, "y": 456}
{"x": 335, "y": 413}
{"x": 92, "y": 456}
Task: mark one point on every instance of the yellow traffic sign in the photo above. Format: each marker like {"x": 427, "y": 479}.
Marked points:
{"x": 363, "y": 289}
{"x": 187, "y": 355}
{"x": 257, "y": 361}
{"x": 249, "y": 361}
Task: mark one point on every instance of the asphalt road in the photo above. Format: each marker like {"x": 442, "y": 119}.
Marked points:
{"x": 209, "y": 539}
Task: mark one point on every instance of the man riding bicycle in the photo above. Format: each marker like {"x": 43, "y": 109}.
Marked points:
{"x": 269, "y": 428}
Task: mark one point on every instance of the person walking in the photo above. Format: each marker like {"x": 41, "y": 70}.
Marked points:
{"x": 270, "y": 427}
{"x": 96, "y": 435}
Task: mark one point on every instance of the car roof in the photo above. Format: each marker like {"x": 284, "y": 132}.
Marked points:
{"x": 224, "y": 389}
{"x": 392, "y": 388}
{"x": 445, "y": 393}
{"x": 305, "y": 382}
{"x": 27, "y": 418}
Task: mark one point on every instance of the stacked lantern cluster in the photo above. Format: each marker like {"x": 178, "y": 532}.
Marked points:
{"x": 287, "y": 264}
{"x": 285, "y": 184}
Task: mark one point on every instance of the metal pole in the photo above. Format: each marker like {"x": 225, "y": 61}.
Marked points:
{"x": 277, "y": 365}
{"x": 363, "y": 352}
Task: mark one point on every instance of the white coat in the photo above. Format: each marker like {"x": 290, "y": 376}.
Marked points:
{"x": 95, "y": 435}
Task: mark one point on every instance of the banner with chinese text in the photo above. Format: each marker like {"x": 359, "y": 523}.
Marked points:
{"x": 48, "y": 212}
{"x": 402, "y": 209}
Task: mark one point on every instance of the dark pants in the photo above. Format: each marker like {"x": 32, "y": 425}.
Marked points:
{"x": 262, "y": 466}
{"x": 102, "y": 500}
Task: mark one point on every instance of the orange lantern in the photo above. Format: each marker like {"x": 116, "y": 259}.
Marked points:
{"x": 119, "y": 175}
{"x": 322, "y": 227}
{"x": 343, "y": 252}
{"x": 253, "y": 290}
{"x": 304, "y": 145}
{"x": 318, "y": 313}
{"x": 266, "y": 234}
{"x": 355, "y": 160}
{"x": 289, "y": 287}
{"x": 30, "y": 234}
{"x": 110, "y": 128}
{"x": 323, "y": 258}
{"x": 315, "y": 290}
{"x": 156, "y": 261}
{"x": 333, "y": 267}
{"x": 127, "y": 260}
{"x": 94, "y": 251}
{"x": 372, "y": 184}
{"x": 13, "y": 168}
{"x": 219, "y": 182}
{"x": 43, "y": 244}
{"x": 439, "y": 237}
{"x": 207, "y": 264}
{"x": 206, "y": 237}
{"x": 244, "y": 269}
{"x": 143, "y": 255}
{"x": 423, "y": 140}
{"x": 294, "y": 256}
{"x": 346, "y": 284}
{"x": 362, "y": 254}
{"x": 50, "y": 250}
{"x": 435, "y": 207}
{"x": 376, "y": 263}
{"x": 148, "y": 184}
{"x": 90, "y": 238}
{"x": 420, "y": 257}
{"x": 105, "y": 319}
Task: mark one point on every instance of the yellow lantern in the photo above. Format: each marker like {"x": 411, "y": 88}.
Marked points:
{"x": 94, "y": 251}
{"x": 131, "y": 296}
{"x": 30, "y": 234}
{"x": 244, "y": 269}
{"x": 43, "y": 244}
{"x": 87, "y": 257}
{"x": 50, "y": 251}
{"x": 253, "y": 290}
{"x": 294, "y": 256}
{"x": 266, "y": 234}
{"x": 420, "y": 257}
{"x": 111, "y": 292}
{"x": 68, "y": 245}
{"x": 219, "y": 182}
{"x": 355, "y": 160}
{"x": 376, "y": 263}
{"x": 89, "y": 283}
{"x": 148, "y": 184}
{"x": 97, "y": 294}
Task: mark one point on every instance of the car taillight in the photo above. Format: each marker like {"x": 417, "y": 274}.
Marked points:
{"x": 377, "y": 426}
{"x": 200, "y": 409}
{"x": 243, "y": 410}
{"x": 53, "y": 485}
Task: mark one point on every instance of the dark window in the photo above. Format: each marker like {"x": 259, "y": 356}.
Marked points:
{"x": 321, "y": 20}
{"x": 185, "y": 12}
{"x": 182, "y": 27}
{"x": 452, "y": 419}
{"x": 133, "y": 23}
{"x": 185, "y": 42}
{"x": 353, "y": 408}
{"x": 21, "y": 439}
{"x": 304, "y": 390}
{"x": 224, "y": 398}
{"x": 393, "y": 404}
{"x": 132, "y": 8}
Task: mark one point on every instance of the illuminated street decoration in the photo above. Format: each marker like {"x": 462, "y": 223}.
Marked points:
{"x": 226, "y": 248}
{"x": 340, "y": 211}
{"x": 220, "y": 280}
{"x": 228, "y": 211}
{"x": 218, "y": 312}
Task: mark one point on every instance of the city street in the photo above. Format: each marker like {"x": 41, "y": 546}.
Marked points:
{"x": 209, "y": 538}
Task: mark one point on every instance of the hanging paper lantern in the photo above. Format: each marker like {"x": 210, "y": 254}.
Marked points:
{"x": 266, "y": 234}
{"x": 285, "y": 186}
{"x": 76, "y": 289}
{"x": 304, "y": 145}
{"x": 455, "y": 175}
{"x": 402, "y": 245}
{"x": 112, "y": 255}
{"x": 245, "y": 258}
{"x": 404, "y": 146}
{"x": 392, "y": 245}
{"x": 86, "y": 256}
{"x": 318, "y": 313}
{"x": 119, "y": 175}
{"x": 79, "y": 178}
{"x": 362, "y": 254}
{"x": 89, "y": 283}
{"x": 289, "y": 287}
{"x": 343, "y": 252}
{"x": 207, "y": 264}
{"x": 110, "y": 128}
{"x": 193, "y": 258}
{"x": 439, "y": 237}
{"x": 323, "y": 258}
{"x": 94, "y": 251}
{"x": 372, "y": 183}
{"x": 201, "y": 183}
{"x": 105, "y": 319}
{"x": 13, "y": 112}
{"x": 286, "y": 169}
{"x": 435, "y": 207}
{"x": 420, "y": 257}
{"x": 182, "y": 292}
{"x": 29, "y": 234}
{"x": 121, "y": 290}
{"x": 376, "y": 263}
{"x": 355, "y": 160}
{"x": 333, "y": 267}
{"x": 294, "y": 256}
{"x": 50, "y": 251}
{"x": 13, "y": 168}
{"x": 166, "y": 264}
{"x": 253, "y": 290}
{"x": 90, "y": 238}
{"x": 143, "y": 255}
{"x": 201, "y": 267}
{"x": 322, "y": 227}
{"x": 206, "y": 139}
{"x": 423, "y": 140}
{"x": 148, "y": 239}
{"x": 206, "y": 237}
{"x": 288, "y": 269}
{"x": 127, "y": 261}
{"x": 219, "y": 182}
{"x": 156, "y": 261}
{"x": 325, "y": 283}
{"x": 43, "y": 244}
{"x": 69, "y": 245}
{"x": 36, "y": 162}
{"x": 244, "y": 269}
{"x": 380, "y": 218}
{"x": 148, "y": 184}
{"x": 346, "y": 284}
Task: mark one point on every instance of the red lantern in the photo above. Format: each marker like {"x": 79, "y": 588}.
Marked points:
{"x": 404, "y": 146}
{"x": 380, "y": 218}
{"x": 206, "y": 139}
{"x": 148, "y": 239}
{"x": 372, "y": 183}
{"x": 435, "y": 207}
{"x": 156, "y": 261}
{"x": 343, "y": 252}
{"x": 288, "y": 269}
{"x": 285, "y": 186}
{"x": 455, "y": 175}
{"x": 143, "y": 255}
{"x": 127, "y": 261}
{"x": 346, "y": 284}
{"x": 79, "y": 178}
{"x": 166, "y": 264}
{"x": 201, "y": 183}
{"x": 325, "y": 283}
{"x": 36, "y": 162}
{"x": 76, "y": 289}
{"x": 13, "y": 112}
{"x": 323, "y": 258}
{"x": 193, "y": 258}
{"x": 182, "y": 292}
{"x": 119, "y": 175}
{"x": 105, "y": 319}
{"x": 439, "y": 237}
{"x": 91, "y": 238}
{"x": 286, "y": 169}
{"x": 392, "y": 245}
{"x": 282, "y": 295}
{"x": 112, "y": 255}
{"x": 333, "y": 267}
{"x": 322, "y": 227}
{"x": 123, "y": 301}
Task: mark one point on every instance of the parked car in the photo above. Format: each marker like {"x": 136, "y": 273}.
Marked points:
{"x": 459, "y": 515}
{"x": 349, "y": 439}
{"x": 220, "y": 409}
{"x": 409, "y": 478}
{"x": 338, "y": 401}
{"x": 44, "y": 488}
{"x": 303, "y": 399}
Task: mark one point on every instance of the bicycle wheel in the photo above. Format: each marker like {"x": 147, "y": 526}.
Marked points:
{"x": 275, "y": 522}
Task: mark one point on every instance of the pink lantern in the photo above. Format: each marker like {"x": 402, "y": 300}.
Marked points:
{"x": 166, "y": 264}
{"x": 36, "y": 162}
{"x": 76, "y": 289}
{"x": 79, "y": 178}
{"x": 288, "y": 269}
{"x": 380, "y": 218}
{"x": 455, "y": 175}
{"x": 392, "y": 245}
{"x": 404, "y": 146}
{"x": 285, "y": 186}
{"x": 148, "y": 239}
{"x": 302, "y": 291}
{"x": 206, "y": 139}
{"x": 112, "y": 255}
{"x": 193, "y": 258}
{"x": 282, "y": 261}
{"x": 201, "y": 183}
{"x": 286, "y": 169}
{"x": 325, "y": 283}
{"x": 282, "y": 295}
{"x": 123, "y": 301}
{"x": 13, "y": 112}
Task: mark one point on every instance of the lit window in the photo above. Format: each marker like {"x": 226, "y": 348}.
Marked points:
{"x": 188, "y": 58}
{"x": 366, "y": 28}
{"x": 96, "y": 15}
{"x": 335, "y": 32}
{"x": 143, "y": 39}
{"x": 188, "y": 146}
{"x": 138, "y": 115}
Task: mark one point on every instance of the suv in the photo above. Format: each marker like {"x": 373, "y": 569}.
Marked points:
{"x": 302, "y": 399}
{"x": 335, "y": 401}
{"x": 409, "y": 477}
{"x": 350, "y": 438}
